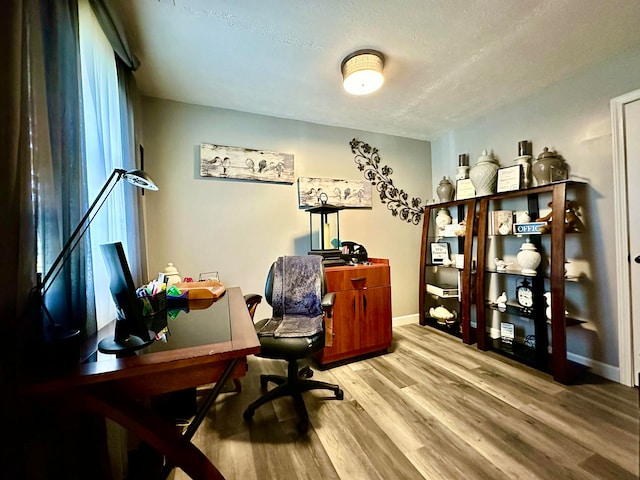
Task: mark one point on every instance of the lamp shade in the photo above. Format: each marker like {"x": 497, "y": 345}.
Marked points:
{"x": 362, "y": 72}
{"x": 140, "y": 179}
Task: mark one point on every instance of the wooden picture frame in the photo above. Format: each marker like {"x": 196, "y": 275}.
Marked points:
{"x": 439, "y": 252}
{"x": 509, "y": 178}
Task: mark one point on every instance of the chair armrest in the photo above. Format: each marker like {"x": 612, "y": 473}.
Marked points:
{"x": 327, "y": 303}
{"x": 327, "y": 308}
{"x": 252, "y": 300}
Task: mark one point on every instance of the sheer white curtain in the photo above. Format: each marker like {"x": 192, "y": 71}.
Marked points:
{"x": 103, "y": 148}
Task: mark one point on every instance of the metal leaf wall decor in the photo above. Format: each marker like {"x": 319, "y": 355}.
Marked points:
{"x": 368, "y": 161}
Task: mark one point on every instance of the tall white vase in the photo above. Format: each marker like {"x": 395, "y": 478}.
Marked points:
{"x": 484, "y": 174}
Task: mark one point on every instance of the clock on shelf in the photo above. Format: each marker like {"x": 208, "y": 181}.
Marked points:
{"x": 524, "y": 295}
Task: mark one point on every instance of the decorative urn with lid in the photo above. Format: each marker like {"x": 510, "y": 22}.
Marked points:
{"x": 548, "y": 168}
{"x": 443, "y": 217}
{"x": 484, "y": 174}
{"x": 172, "y": 274}
{"x": 528, "y": 258}
{"x": 445, "y": 190}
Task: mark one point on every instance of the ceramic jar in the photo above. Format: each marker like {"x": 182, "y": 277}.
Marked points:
{"x": 548, "y": 168}
{"x": 172, "y": 274}
{"x": 445, "y": 190}
{"x": 443, "y": 217}
{"x": 484, "y": 174}
{"x": 528, "y": 258}
{"x": 462, "y": 172}
{"x": 525, "y": 162}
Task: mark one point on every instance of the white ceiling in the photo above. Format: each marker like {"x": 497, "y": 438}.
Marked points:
{"x": 447, "y": 61}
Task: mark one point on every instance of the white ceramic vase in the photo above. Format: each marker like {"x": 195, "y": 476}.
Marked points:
{"x": 484, "y": 174}
{"x": 443, "y": 217}
{"x": 525, "y": 162}
{"x": 528, "y": 258}
{"x": 462, "y": 172}
{"x": 172, "y": 274}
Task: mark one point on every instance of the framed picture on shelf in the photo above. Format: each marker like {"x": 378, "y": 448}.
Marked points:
{"x": 439, "y": 252}
{"x": 509, "y": 178}
{"x": 465, "y": 189}
{"x": 507, "y": 333}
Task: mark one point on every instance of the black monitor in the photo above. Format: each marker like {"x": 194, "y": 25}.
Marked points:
{"x": 131, "y": 331}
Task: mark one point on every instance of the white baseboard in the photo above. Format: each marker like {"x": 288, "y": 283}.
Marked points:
{"x": 598, "y": 368}
{"x": 405, "y": 320}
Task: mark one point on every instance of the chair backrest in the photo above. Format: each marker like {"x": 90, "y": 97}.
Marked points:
{"x": 295, "y": 286}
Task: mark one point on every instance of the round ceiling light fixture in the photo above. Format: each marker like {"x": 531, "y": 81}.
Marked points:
{"x": 362, "y": 72}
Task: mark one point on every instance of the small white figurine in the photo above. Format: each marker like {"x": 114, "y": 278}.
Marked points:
{"x": 501, "y": 301}
{"x": 547, "y": 296}
{"x": 523, "y": 217}
{"x": 501, "y": 265}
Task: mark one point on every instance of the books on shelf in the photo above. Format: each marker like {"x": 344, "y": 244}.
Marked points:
{"x": 444, "y": 291}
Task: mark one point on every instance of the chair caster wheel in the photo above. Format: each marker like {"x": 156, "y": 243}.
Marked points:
{"x": 339, "y": 394}
{"x": 306, "y": 372}
{"x": 263, "y": 383}
{"x": 248, "y": 415}
{"x": 302, "y": 427}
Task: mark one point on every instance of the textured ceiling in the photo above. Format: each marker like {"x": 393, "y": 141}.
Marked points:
{"x": 447, "y": 61}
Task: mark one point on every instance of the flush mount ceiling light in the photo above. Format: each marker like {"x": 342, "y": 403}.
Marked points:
{"x": 362, "y": 72}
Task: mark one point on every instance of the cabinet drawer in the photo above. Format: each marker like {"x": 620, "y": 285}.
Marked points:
{"x": 357, "y": 277}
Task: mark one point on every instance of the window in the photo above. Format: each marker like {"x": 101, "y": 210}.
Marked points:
{"x": 103, "y": 149}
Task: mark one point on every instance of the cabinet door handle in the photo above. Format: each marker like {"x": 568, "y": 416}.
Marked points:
{"x": 364, "y": 298}
{"x": 359, "y": 283}
{"x": 637, "y": 259}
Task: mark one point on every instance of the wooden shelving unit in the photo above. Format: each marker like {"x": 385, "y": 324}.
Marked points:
{"x": 462, "y": 209}
{"x": 547, "y": 348}
{"x": 547, "y": 355}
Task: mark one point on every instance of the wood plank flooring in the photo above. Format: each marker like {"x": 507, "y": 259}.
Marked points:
{"x": 431, "y": 408}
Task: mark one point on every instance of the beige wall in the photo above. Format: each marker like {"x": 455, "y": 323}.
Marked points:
{"x": 240, "y": 227}
{"x": 572, "y": 117}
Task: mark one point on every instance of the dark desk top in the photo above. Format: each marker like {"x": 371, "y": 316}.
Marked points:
{"x": 198, "y": 339}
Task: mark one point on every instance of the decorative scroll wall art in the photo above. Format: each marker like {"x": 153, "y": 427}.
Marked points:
{"x": 245, "y": 164}
{"x": 341, "y": 193}
{"x": 368, "y": 161}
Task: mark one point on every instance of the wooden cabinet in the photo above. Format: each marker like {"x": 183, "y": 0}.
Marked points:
{"x": 458, "y": 237}
{"x": 362, "y": 310}
{"x": 539, "y": 341}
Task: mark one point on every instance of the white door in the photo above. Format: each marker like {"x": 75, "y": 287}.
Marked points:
{"x": 626, "y": 135}
{"x": 632, "y": 141}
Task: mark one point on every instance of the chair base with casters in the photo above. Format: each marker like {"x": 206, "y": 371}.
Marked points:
{"x": 294, "y": 384}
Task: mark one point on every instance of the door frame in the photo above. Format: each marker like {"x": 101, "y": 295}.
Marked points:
{"x": 625, "y": 319}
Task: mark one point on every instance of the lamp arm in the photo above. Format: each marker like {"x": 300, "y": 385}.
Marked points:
{"x": 69, "y": 245}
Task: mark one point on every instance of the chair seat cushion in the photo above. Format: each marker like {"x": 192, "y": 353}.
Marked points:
{"x": 291, "y": 326}
{"x": 286, "y": 348}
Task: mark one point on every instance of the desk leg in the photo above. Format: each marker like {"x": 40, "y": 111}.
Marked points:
{"x": 202, "y": 412}
{"x": 150, "y": 427}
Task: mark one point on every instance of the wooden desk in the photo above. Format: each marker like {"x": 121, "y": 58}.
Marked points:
{"x": 112, "y": 387}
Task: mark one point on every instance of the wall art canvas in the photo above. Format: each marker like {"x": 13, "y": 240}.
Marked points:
{"x": 245, "y": 164}
{"x": 341, "y": 193}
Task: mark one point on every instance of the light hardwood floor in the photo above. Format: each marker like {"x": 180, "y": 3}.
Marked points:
{"x": 431, "y": 408}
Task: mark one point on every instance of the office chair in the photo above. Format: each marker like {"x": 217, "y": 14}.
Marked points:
{"x": 295, "y": 289}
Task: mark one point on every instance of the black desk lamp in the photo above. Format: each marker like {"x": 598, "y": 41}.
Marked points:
{"x": 136, "y": 177}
